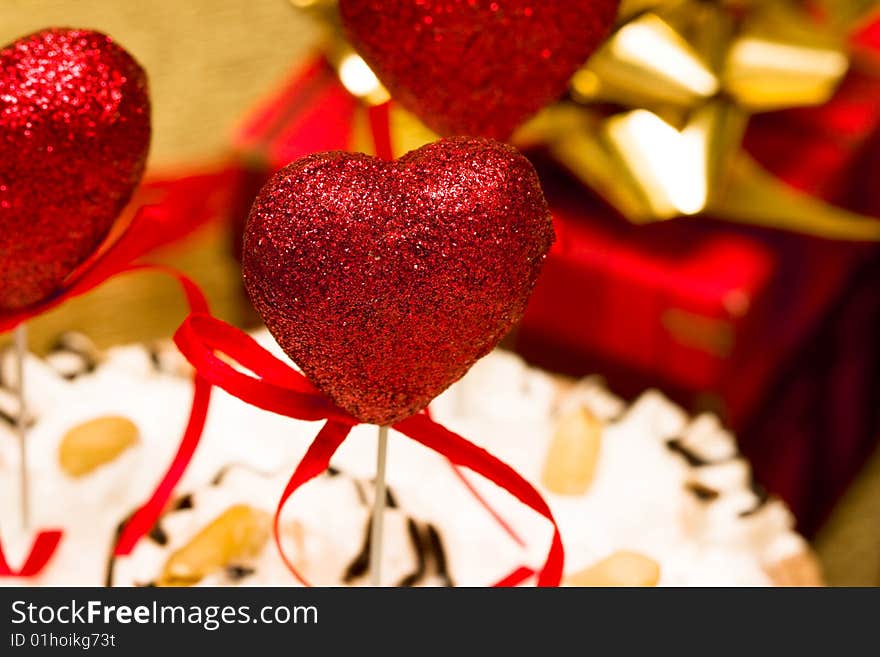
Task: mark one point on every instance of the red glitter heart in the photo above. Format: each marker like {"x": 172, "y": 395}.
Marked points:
{"x": 74, "y": 135}
{"x": 476, "y": 67}
{"x": 385, "y": 281}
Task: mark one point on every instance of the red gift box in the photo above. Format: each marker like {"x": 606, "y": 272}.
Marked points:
{"x": 666, "y": 301}
{"x": 708, "y": 310}
{"x": 815, "y": 149}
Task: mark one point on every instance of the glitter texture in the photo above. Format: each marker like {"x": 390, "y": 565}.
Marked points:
{"x": 74, "y": 135}
{"x": 385, "y": 281}
{"x": 475, "y": 67}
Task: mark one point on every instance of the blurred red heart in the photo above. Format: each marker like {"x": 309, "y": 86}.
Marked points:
{"x": 74, "y": 135}
{"x": 385, "y": 281}
{"x": 475, "y": 67}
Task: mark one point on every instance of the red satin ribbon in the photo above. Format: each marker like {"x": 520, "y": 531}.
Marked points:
{"x": 42, "y": 549}
{"x": 148, "y": 229}
{"x": 142, "y": 521}
{"x": 279, "y": 388}
{"x": 516, "y": 578}
{"x": 497, "y": 517}
{"x": 499, "y": 520}
{"x": 380, "y": 127}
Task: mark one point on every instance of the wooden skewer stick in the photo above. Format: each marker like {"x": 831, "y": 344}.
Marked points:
{"x": 378, "y": 510}
{"x": 20, "y": 351}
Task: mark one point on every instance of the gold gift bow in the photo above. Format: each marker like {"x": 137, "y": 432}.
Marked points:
{"x": 673, "y": 147}
{"x": 682, "y": 77}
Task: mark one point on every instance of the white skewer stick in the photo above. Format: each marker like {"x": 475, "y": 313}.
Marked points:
{"x": 21, "y": 346}
{"x": 376, "y": 531}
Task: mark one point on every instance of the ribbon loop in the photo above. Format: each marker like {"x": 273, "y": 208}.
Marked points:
{"x": 42, "y": 549}
{"x": 279, "y": 388}
{"x": 314, "y": 463}
{"x": 464, "y": 453}
{"x": 201, "y": 335}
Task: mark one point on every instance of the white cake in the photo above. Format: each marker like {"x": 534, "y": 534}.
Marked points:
{"x": 668, "y": 491}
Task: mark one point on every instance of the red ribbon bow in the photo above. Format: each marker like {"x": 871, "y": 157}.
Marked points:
{"x": 279, "y": 388}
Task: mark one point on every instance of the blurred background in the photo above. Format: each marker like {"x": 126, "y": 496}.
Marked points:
{"x": 755, "y": 298}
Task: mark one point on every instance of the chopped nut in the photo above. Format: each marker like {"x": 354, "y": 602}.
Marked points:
{"x": 96, "y": 442}
{"x": 620, "y": 569}
{"x": 573, "y": 453}
{"x": 237, "y": 534}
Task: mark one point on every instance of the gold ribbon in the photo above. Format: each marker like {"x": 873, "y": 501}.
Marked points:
{"x": 654, "y": 120}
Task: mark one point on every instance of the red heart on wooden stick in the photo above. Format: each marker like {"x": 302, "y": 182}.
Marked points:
{"x": 74, "y": 135}
{"x": 385, "y": 281}
{"x": 476, "y": 67}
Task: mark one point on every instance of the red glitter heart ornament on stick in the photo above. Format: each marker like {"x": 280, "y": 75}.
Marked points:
{"x": 476, "y": 67}
{"x": 74, "y": 136}
{"x": 385, "y": 281}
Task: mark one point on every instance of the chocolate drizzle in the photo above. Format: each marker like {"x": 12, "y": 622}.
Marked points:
{"x": 158, "y": 535}
{"x": 390, "y": 500}
{"x": 218, "y": 478}
{"x": 706, "y": 494}
{"x": 693, "y": 459}
{"x": 76, "y": 344}
{"x": 184, "y": 502}
{"x": 9, "y": 409}
{"x": 236, "y": 572}
{"x": 424, "y": 538}
{"x": 761, "y": 493}
{"x": 360, "y": 564}
{"x": 439, "y": 553}
{"x": 361, "y": 495}
{"x": 155, "y": 359}
{"x": 416, "y": 540}
{"x": 7, "y": 418}
{"x": 12, "y": 420}
{"x": 164, "y": 359}
{"x": 428, "y": 546}
{"x": 110, "y": 568}
{"x": 701, "y": 492}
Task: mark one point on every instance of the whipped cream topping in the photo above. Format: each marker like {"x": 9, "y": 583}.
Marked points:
{"x": 672, "y": 488}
